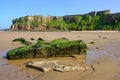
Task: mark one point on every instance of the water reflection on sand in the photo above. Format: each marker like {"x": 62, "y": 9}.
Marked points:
{"x": 110, "y": 52}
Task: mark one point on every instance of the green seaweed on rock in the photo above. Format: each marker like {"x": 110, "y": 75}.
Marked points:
{"x": 57, "y": 48}
{"x": 22, "y": 41}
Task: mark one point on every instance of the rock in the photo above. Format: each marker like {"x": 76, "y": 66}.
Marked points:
{"x": 22, "y": 41}
{"x": 53, "y": 65}
{"x": 43, "y": 66}
{"x": 68, "y": 68}
{"x": 57, "y": 48}
{"x": 76, "y": 56}
{"x": 99, "y": 36}
{"x": 91, "y": 42}
{"x": 30, "y": 23}
{"x": 104, "y": 37}
{"x": 47, "y": 69}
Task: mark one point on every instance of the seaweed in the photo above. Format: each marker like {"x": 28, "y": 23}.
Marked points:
{"x": 22, "y": 41}
{"x": 42, "y": 49}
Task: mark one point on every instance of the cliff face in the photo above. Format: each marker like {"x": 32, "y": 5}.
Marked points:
{"x": 101, "y": 20}
{"x": 30, "y": 23}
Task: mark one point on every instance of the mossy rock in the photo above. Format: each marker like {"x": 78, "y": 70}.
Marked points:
{"x": 22, "y": 41}
{"x": 64, "y": 47}
{"x": 32, "y": 39}
{"x": 20, "y": 52}
{"x": 42, "y": 49}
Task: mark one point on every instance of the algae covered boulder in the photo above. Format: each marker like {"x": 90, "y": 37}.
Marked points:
{"x": 22, "y": 41}
{"x": 64, "y": 47}
{"x": 42, "y": 49}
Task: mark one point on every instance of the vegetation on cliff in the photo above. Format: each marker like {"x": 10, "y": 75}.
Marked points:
{"x": 42, "y": 49}
{"x": 101, "y": 20}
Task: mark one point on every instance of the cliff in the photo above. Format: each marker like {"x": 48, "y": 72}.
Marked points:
{"x": 96, "y": 20}
{"x": 30, "y": 23}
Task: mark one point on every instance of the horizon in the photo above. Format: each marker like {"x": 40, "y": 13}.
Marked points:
{"x": 15, "y": 9}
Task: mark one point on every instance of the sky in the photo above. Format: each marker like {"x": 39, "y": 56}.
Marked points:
{"x": 11, "y": 9}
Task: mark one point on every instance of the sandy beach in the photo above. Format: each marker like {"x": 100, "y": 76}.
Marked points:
{"x": 103, "y": 55}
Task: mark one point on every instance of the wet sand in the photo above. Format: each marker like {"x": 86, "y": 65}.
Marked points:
{"x": 103, "y": 55}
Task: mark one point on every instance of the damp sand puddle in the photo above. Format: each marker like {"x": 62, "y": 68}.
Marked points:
{"x": 10, "y": 71}
{"x": 110, "y": 52}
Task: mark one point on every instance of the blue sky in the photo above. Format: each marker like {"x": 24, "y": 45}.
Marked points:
{"x": 11, "y": 9}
